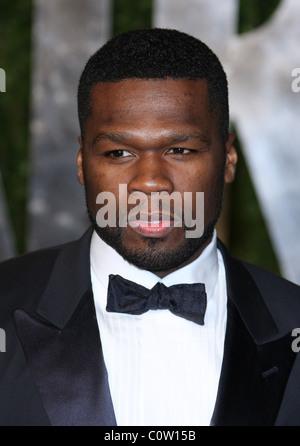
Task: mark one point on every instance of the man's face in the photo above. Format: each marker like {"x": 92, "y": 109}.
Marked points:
{"x": 154, "y": 136}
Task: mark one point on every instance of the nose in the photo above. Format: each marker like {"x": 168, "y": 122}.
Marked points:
{"x": 150, "y": 174}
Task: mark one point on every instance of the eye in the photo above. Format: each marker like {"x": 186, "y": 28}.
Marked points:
{"x": 179, "y": 150}
{"x": 118, "y": 153}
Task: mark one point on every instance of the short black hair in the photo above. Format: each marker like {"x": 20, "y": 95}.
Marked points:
{"x": 156, "y": 54}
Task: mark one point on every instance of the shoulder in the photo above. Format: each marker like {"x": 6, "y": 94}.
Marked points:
{"x": 266, "y": 281}
{"x": 281, "y": 296}
{"x": 271, "y": 284}
{"x": 25, "y": 276}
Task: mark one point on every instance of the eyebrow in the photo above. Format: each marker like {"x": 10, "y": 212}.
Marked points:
{"x": 171, "y": 137}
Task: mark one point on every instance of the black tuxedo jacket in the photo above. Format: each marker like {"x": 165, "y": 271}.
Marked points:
{"x": 53, "y": 372}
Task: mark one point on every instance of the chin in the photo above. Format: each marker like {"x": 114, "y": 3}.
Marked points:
{"x": 154, "y": 254}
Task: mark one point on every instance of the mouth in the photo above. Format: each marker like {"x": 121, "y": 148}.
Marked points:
{"x": 148, "y": 226}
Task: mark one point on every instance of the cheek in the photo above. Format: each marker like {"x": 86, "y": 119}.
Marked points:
{"x": 95, "y": 181}
{"x": 95, "y": 176}
{"x": 210, "y": 181}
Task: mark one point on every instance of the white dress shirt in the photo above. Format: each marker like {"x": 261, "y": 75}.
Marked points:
{"x": 163, "y": 370}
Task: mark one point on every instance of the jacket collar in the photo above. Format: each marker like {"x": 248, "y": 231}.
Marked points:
{"x": 246, "y": 297}
{"x": 69, "y": 281}
{"x": 63, "y": 348}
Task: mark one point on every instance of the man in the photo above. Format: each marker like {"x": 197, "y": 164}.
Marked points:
{"x": 85, "y": 346}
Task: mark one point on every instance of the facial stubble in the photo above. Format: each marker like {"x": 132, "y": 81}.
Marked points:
{"x": 154, "y": 256}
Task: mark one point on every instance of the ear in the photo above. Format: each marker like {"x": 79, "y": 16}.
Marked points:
{"x": 231, "y": 159}
{"x": 80, "y": 162}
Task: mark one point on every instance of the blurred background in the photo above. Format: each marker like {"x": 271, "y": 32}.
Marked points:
{"x": 43, "y": 48}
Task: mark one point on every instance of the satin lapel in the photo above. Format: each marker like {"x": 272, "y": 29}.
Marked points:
{"x": 62, "y": 344}
{"x": 253, "y": 377}
{"x": 68, "y": 367}
{"x": 257, "y": 359}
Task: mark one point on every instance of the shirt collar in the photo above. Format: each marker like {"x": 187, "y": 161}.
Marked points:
{"x": 105, "y": 260}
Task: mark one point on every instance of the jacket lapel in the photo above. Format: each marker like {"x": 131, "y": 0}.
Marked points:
{"x": 62, "y": 345}
{"x": 257, "y": 358}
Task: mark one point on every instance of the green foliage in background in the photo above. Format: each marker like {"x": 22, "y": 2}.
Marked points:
{"x": 253, "y": 13}
{"x": 15, "y": 45}
{"x": 248, "y": 235}
{"x": 129, "y": 15}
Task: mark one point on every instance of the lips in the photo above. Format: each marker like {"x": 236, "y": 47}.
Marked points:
{"x": 153, "y": 227}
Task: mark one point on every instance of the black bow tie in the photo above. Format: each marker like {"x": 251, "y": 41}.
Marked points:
{"x": 185, "y": 300}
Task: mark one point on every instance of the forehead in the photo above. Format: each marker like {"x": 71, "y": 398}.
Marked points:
{"x": 130, "y": 99}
